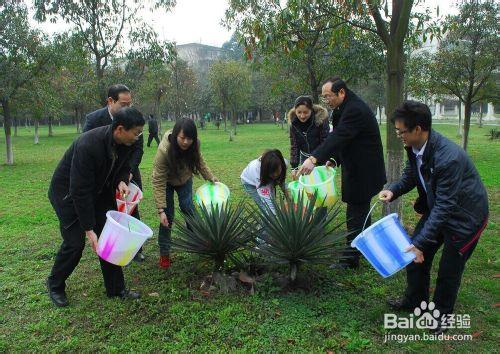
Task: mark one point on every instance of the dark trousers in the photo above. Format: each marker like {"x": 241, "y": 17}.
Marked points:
{"x": 153, "y": 136}
{"x": 185, "y": 195}
{"x": 355, "y": 218}
{"x": 69, "y": 256}
{"x": 451, "y": 268}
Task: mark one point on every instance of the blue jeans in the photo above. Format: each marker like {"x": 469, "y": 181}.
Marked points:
{"x": 185, "y": 195}
{"x": 252, "y": 192}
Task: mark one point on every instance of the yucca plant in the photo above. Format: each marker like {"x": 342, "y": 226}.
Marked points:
{"x": 215, "y": 232}
{"x": 297, "y": 233}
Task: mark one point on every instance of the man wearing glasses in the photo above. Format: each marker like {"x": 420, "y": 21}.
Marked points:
{"x": 355, "y": 144}
{"x": 82, "y": 190}
{"x": 119, "y": 97}
{"x": 453, "y": 203}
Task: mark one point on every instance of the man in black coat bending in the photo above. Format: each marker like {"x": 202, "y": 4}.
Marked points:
{"x": 119, "y": 96}
{"x": 83, "y": 189}
{"x": 356, "y": 145}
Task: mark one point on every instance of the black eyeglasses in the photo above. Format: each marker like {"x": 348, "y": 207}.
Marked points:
{"x": 401, "y": 132}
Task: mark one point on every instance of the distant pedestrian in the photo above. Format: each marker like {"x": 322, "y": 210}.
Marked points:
{"x": 153, "y": 130}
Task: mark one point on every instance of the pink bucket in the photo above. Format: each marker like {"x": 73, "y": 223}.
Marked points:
{"x": 129, "y": 204}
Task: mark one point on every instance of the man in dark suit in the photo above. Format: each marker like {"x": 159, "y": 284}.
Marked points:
{"x": 356, "y": 145}
{"x": 153, "y": 130}
{"x": 119, "y": 96}
{"x": 82, "y": 190}
{"x": 454, "y": 206}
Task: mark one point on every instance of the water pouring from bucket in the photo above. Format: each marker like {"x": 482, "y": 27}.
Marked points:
{"x": 384, "y": 245}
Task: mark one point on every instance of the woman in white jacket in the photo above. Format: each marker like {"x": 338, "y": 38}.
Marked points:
{"x": 262, "y": 175}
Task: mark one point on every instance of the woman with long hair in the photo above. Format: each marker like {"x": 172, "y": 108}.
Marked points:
{"x": 177, "y": 159}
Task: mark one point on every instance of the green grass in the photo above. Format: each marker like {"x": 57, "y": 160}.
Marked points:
{"x": 343, "y": 312}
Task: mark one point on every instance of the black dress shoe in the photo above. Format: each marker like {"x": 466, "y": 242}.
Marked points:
{"x": 401, "y": 304}
{"x": 139, "y": 257}
{"x": 58, "y": 298}
{"x": 127, "y": 294}
{"x": 438, "y": 330}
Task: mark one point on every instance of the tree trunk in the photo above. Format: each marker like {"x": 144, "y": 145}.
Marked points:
{"x": 235, "y": 122}
{"x": 459, "y": 133}
{"x": 395, "y": 78}
{"x": 16, "y": 123}
{"x": 37, "y": 124}
{"x": 158, "y": 112}
{"x": 51, "y": 132}
{"x": 225, "y": 119}
{"x": 480, "y": 114}
{"x": 101, "y": 86}
{"x": 465, "y": 136}
{"x": 6, "y": 126}
{"x": 313, "y": 82}
{"x": 77, "y": 120}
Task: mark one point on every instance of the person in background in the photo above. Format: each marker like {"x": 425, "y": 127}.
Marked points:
{"x": 153, "y": 130}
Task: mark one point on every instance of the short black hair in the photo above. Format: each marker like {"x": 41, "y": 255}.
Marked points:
{"x": 413, "y": 113}
{"x": 115, "y": 90}
{"x": 128, "y": 117}
{"x": 337, "y": 84}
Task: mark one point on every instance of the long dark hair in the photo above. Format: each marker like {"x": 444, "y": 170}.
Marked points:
{"x": 270, "y": 161}
{"x": 189, "y": 158}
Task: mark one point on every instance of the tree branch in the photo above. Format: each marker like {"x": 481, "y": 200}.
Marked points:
{"x": 403, "y": 20}
{"x": 379, "y": 22}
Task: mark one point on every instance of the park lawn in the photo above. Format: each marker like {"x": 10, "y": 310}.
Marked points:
{"x": 344, "y": 310}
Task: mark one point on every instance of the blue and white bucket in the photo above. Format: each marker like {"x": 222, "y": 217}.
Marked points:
{"x": 383, "y": 244}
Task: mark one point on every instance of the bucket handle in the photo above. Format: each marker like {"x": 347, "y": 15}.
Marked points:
{"x": 368, "y": 215}
{"x": 335, "y": 161}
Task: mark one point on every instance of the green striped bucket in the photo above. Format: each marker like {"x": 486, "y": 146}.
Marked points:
{"x": 321, "y": 181}
{"x": 212, "y": 193}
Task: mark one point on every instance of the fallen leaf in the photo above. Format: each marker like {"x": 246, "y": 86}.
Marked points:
{"x": 245, "y": 278}
{"x": 291, "y": 341}
{"x": 476, "y": 334}
{"x": 154, "y": 294}
{"x": 496, "y": 276}
{"x": 496, "y": 305}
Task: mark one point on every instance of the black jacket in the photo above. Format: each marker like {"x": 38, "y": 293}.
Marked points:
{"x": 355, "y": 142}
{"x": 456, "y": 203}
{"x": 102, "y": 118}
{"x": 309, "y": 135}
{"x": 152, "y": 126}
{"x": 84, "y": 183}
